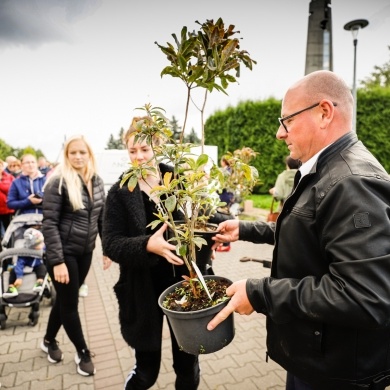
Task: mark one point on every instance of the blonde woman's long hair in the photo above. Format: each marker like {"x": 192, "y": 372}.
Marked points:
{"x": 65, "y": 172}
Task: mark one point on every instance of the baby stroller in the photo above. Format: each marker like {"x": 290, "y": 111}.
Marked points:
{"x": 13, "y": 247}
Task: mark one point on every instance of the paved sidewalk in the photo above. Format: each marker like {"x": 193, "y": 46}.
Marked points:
{"x": 241, "y": 364}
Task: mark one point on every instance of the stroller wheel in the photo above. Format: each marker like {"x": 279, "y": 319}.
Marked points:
{"x": 2, "y": 324}
{"x": 53, "y": 295}
{"x": 3, "y": 317}
{"x": 34, "y": 315}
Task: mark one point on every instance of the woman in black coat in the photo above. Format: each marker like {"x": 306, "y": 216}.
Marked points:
{"x": 147, "y": 267}
{"x": 72, "y": 217}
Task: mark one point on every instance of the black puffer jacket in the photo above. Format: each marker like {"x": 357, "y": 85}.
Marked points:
{"x": 328, "y": 298}
{"x": 67, "y": 231}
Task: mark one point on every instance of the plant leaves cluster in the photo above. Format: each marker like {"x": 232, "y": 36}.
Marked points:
{"x": 209, "y": 58}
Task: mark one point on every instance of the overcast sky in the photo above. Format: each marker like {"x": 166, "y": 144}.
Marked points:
{"x": 83, "y": 66}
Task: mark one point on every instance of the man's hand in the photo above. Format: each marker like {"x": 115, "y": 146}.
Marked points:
{"x": 238, "y": 303}
{"x": 227, "y": 232}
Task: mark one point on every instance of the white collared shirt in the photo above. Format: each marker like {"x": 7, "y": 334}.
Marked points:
{"x": 306, "y": 167}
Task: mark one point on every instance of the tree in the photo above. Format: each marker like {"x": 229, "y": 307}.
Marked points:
{"x": 5, "y": 150}
{"x": 116, "y": 143}
{"x": 380, "y": 77}
{"x": 192, "y": 138}
{"x": 209, "y": 58}
{"x": 175, "y": 128}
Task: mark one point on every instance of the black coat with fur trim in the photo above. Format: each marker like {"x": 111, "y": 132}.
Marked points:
{"x": 125, "y": 238}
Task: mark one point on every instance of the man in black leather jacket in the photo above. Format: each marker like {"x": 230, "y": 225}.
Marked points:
{"x": 327, "y": 301}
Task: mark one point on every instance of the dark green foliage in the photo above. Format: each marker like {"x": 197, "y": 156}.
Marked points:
{"x": 192, "y": 138}
{"x": 175, "y": 128}
{"x": 116, "y": 143}
{"x": 7, "y": 150}
{"x": 380, "y": 77}
{"x": 373, "y": 122}
{"x": 252, "y": 124}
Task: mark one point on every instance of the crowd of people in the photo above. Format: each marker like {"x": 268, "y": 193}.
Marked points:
{"x": 327, "y": 300}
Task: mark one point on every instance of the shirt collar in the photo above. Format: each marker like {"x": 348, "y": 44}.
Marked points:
{"x": 306, "y": 167}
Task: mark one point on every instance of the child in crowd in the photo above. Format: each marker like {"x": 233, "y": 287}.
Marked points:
{"x": 33, "y": 240}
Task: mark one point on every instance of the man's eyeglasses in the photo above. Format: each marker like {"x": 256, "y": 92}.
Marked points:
{"x": 281, "y": 120}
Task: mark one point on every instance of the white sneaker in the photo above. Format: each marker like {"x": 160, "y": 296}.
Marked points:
{"x": 83, "y": 291}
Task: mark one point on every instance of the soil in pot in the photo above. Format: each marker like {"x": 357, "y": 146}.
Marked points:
{"x": 182, "y": 298}
{"x": 190, "y": 324}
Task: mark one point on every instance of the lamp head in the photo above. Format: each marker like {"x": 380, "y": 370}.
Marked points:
{"x": 355, "y": 25}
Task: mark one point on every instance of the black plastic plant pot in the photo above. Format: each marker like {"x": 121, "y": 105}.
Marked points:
{"x": 190, "y": 327}
{"x": 203, "y": 255}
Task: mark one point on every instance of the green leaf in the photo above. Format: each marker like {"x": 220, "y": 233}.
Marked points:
{"x": 133, "y": 181}
{"x": 170, "y": 203}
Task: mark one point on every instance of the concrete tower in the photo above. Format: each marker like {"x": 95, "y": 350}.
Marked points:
{"x": 319, "y": 52}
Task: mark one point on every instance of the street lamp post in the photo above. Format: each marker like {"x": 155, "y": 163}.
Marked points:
{"x": 354, "y": 27}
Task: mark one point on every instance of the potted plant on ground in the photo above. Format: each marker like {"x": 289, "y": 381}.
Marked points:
{"x": 203, "y": 59}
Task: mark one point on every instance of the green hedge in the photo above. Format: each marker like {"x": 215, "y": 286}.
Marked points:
{"x": 254, "y": 124}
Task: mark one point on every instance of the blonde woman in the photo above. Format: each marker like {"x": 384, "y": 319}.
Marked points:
{"x": 72, "y": 218}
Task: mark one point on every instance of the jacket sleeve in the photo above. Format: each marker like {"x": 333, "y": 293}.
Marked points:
{"x": 5, "y": 183}
{"x": 258, "y": 232}
{"x": 52, "y": 207}
{"x": 124, "y": 230}
{"x": 14, "y": 201}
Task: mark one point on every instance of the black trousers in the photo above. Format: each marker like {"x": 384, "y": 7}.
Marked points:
{"x": 65, "y": 310}
{"x": 294, "y": 383}
{"x": 147, "y": 367}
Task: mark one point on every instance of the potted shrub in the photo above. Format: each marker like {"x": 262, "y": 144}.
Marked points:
{"x": 204, "y": 59}
{"x": 240, "y": 177}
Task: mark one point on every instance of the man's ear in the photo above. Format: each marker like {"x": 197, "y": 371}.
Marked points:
{"x": 327, "y": 112}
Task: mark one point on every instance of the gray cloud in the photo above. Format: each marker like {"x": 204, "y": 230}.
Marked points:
{"x": 380, "y": 17}
{"x": 35, "y": 22}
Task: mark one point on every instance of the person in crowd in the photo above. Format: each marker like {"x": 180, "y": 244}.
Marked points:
{"x": 5, "y": 212}
{"x": 83, "y": 291}
{"x": 227, "y": 197}
{"x": 43, "y": 165}
{"x": 52, "y": 169}
{"x": 15, "y": 168}
{"x": 148, "y": 265}
{"x": 9, "y": 160}
{"x": 327, "y": 300}
{"x": 33, "y": 239}
{"x": 285, "y": 181}
{"x": 26, "y": 192}
{"x": 72, "y": 218}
